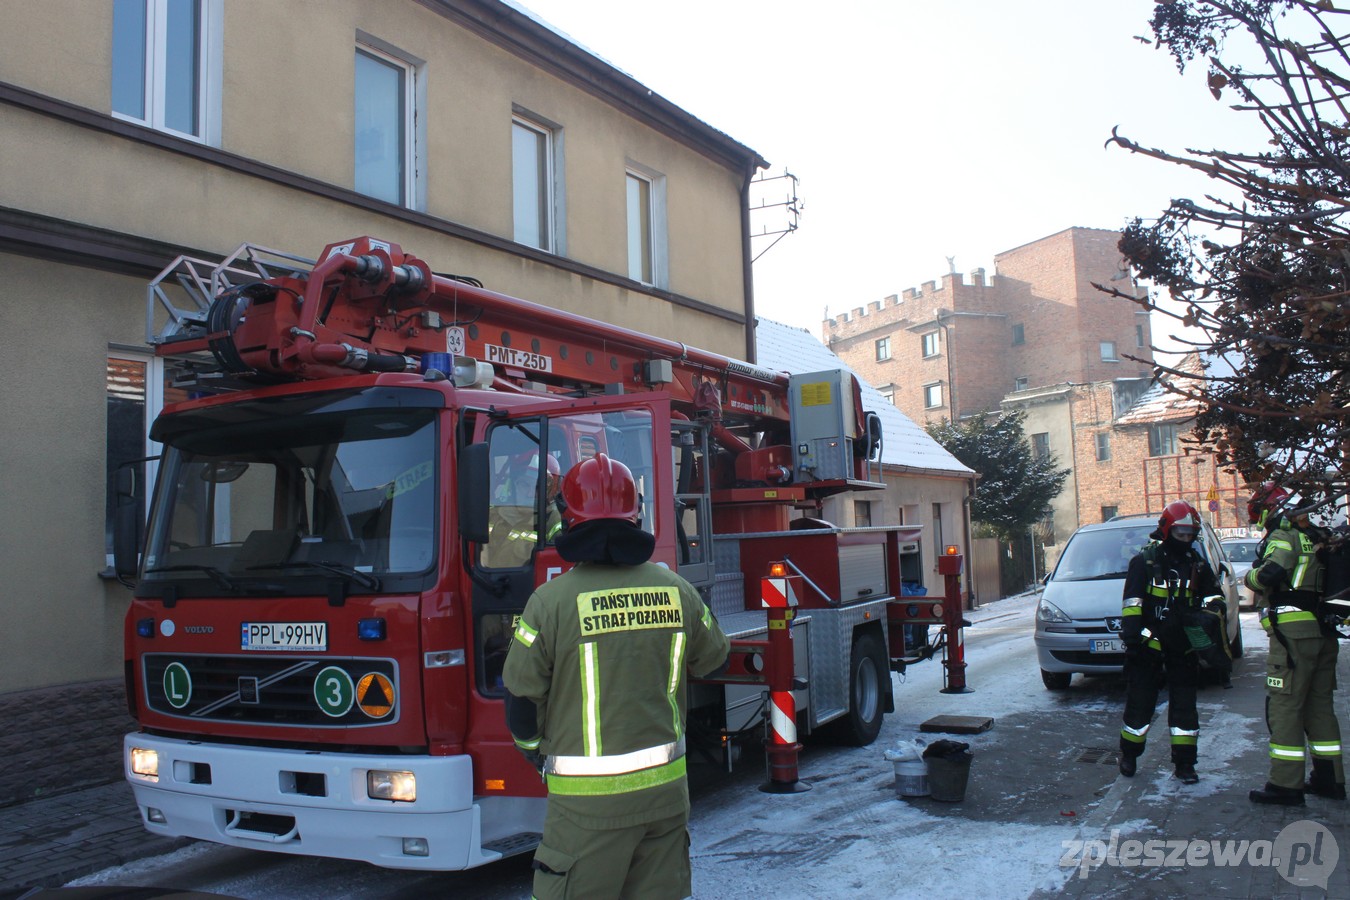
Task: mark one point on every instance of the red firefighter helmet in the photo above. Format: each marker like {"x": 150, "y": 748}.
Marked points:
{"x": 1267, "y": 497}
{"x": 599, "y": 488}
{"x": 1179, "y": 521}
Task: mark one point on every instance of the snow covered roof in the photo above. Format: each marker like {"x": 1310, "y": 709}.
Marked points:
{"x": 904, "y": 444}
{"x": 1157, "y": 404}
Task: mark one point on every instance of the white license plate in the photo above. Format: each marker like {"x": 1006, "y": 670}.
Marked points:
{"x": 1108, "y": 646}
{"x": 310, "y": 636}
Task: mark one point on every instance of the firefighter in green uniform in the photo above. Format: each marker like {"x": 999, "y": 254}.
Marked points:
{"x": 1166, "y": 581}
{"x": 1301, "y": 668}
{"x": 595, "y": 682}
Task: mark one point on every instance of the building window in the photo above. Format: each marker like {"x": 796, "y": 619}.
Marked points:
{"x": 862, "y": 513}
{"x": 888, "y": 395}
{"x": 1109, "y": 512}
{"x": 534, "y": 151}
{"x": 646, "y": 227}
{"x": 1139, "y": 335}
{"x": 1162, "y": 440}
{"x": 932, "y": 396}
{"x": 883, "y": 349}
{"x": 166, "y": 69}
{"x": 384, "y": 91}
{"x": 931, "y": 346}
{"x": 1109, "y": 352}
{"x": 135, "y": 394}
{"x": 939, "y": 545}
{"x": 1019, "y": 335}
{"x": 1019, "y": 384}
{"x": 1040, "y": 445}
{"x": 1103, "y": 446}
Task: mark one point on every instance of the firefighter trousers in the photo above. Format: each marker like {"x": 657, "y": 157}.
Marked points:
{"x": 637, "y": 862}
{"x": 1144, "y": 678}
{"x": 1299, "y": 709}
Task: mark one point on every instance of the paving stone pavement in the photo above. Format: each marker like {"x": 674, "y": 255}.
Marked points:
{"x": 65, "y": 810}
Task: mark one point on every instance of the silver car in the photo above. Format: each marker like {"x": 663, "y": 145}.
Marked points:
{"x": 1078, "y": 618}
{"x": 1241, "y": 552}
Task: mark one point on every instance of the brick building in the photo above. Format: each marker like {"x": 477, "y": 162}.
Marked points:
{"x": 955, "y": 348}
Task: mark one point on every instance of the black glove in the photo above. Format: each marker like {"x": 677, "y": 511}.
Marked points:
{"x": 534, "y": 758}
{"x": 1133, "y": 650}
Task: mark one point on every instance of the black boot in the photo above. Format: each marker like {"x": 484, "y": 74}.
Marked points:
{"x": 1186, "y": 773}
{"x": 1128, "y": 764}
{"x": 1275, "y": 795}
{"x": 1322, "y": 782}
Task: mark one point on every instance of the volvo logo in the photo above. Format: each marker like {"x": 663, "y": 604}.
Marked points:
{"x": 200, "y": 629}
{"x": 1113, "y": 623}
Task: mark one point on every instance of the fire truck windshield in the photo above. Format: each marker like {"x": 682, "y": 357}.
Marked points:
{"x": 281, "y": 495}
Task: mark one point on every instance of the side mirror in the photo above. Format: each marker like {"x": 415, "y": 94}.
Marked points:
{"x": 474, "y": 495}
{"x": 126, "y": 524}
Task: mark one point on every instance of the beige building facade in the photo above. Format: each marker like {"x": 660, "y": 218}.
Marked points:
{"x": 465, "y": 130}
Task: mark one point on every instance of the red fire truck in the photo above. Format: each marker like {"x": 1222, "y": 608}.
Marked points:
{"x": 353, "y": 504}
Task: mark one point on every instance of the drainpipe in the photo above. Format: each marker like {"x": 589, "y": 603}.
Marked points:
{"x": 748, "y": 277}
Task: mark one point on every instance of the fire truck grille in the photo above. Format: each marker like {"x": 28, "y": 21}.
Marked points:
{"x": 324, "y": 692}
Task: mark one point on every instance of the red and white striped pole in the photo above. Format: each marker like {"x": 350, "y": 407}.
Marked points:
{"x": 778, "y": 595}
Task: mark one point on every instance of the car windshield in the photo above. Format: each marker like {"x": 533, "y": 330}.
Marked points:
{"x": 1101, "y": 554}
{"x": 1241, "y": 551}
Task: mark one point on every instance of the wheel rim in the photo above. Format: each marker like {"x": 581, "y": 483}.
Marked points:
{"x": 866, "y": 690}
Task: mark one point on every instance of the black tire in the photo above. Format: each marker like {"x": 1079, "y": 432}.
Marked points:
{"x": 1236, "y": 647}
{"x": 1056, "y": 681}
{"x": 866, "y": 691}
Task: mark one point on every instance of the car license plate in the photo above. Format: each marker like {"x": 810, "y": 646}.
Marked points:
{"x": 309, "y": 636}
{"x": 1108, "y": 646}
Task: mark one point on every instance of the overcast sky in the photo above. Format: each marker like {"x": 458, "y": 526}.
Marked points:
{"x": 919, "y": 131}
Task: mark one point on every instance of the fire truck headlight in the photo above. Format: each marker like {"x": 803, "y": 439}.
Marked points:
{"x": 386, "y": 785}
{"x": 145, "y": 762}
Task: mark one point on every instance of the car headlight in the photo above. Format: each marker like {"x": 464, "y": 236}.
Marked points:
{"x": 385, "y": 785}
{"x": 145, "y": 763}
{"x": 1049, "y": 612}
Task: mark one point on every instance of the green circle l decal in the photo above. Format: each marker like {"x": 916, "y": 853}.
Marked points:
{"x": 177, "y": 685}
{"x": 334, "y": 691}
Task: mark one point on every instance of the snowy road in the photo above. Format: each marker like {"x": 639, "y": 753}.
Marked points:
{"x": 1039, "y": 777}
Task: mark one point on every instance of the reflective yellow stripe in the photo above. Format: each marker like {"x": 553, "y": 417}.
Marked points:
{"x": 1279, "y": 751}
{"x": 590, "y": 700}
{"x": 1185, "y": 736}
{"x": 619, "y": 764}
{"x": 525, "y": 634}
{"x": 1327, "y": 748}
{"x": 673, "y": 682}
{"x": 1132, "y": 611}
{"x": 604, "y": 785}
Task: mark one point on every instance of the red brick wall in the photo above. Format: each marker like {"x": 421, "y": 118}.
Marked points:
{"x": 1045, "y": 286}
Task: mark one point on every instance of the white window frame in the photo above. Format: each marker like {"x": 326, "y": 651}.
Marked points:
{"x": 1103, "y": 446}
{"x": 930, "y": 344}
{"x": 414, "y": 101}
{"x": 554, "y": 239}
{"x": 928, "y": 390}
{"x": 657, "y": 241}
{"x": 154, "y": 403}
{"x": 209, "y": 71}
{"x": 1108, "y": 350}
{"x": 883, "y": 348}
{"x": 1020, "y": 384}
{"x": 1164, "y": 438}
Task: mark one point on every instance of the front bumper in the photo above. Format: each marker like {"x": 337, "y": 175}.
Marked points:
{"x": 1068, "y": 649}
{"x": 316, "y": 804}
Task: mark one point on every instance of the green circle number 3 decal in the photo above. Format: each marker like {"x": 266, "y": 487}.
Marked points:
{"x": 334, "y": 691}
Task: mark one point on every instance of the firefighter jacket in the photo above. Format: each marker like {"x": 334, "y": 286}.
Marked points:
{"x": 602, "y": 651}
{"x": 1289, "y": 575}
{"x": 1164, "y": 580}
